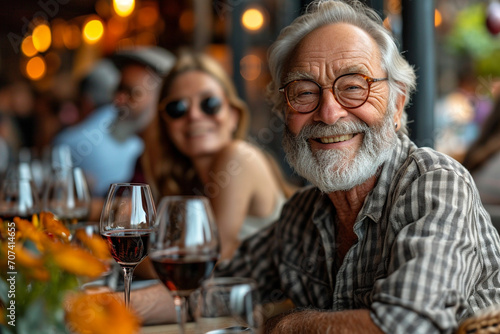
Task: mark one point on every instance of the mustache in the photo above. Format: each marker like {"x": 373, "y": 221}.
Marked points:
{"x": 324, "y": 130}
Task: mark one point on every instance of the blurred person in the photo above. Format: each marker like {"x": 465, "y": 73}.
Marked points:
{"x": 108, "y": 142}
{"x": 460, "y": 113}
{"x": 482, "y": 159}
{"x": 201, "y": 150}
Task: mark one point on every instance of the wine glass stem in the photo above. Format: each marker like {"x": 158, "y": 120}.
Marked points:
{"x": 180, "y": 306}
{"x": 127, "y": 280}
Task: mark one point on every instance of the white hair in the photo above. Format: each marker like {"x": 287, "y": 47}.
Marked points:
{"x": 402, "y": 78}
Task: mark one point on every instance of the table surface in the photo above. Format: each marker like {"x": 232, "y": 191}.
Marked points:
{"x": 168, "y": 329}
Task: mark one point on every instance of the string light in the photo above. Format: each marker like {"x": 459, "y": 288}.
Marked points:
{"x": 27, "y": 47}
{"x": 123, "y": 7}
{"x": 252, "y": 19}
{"x": 42, "y": 37}
{"x": 35, "y": 68}
{"x": 93, "y": 31}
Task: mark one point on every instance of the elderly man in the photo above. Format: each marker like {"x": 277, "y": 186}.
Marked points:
{"x": 107, "y": 144}
{"x": 391, "y": 238}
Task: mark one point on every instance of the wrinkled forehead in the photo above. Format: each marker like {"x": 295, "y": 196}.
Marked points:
{"x": 333, "y": 50}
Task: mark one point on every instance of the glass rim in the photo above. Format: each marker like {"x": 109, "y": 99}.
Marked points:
{"x": 182, "y": 197}
{"x": 128, "y": 184}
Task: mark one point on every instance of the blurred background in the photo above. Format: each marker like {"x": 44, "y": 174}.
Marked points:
{"x": 47, "y": 46}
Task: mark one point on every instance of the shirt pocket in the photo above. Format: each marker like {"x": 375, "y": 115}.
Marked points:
{"x": 305, "y": 288}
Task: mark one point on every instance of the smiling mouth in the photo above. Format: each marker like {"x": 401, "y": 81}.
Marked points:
{"x": 334, "y": 139}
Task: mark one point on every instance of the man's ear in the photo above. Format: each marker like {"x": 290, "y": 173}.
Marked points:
{"x": 400, "y": 106}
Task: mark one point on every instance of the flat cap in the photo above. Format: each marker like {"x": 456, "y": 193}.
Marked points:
{"x": 154, "y": 57}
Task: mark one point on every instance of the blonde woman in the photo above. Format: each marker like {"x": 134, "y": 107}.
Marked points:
{"x": 200, "y": 148}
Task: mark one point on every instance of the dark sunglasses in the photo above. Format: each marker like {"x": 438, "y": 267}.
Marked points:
{"x": 176, "y": 109}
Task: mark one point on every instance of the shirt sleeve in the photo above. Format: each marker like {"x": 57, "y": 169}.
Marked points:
{"x": 444, "y": 260}
{"x": 256, "y": 258}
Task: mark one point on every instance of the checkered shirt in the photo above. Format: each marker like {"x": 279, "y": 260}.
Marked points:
{"x": 427, "y": 254}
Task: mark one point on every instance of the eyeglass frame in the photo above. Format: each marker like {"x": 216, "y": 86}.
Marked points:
{"x": 369, "y": 81}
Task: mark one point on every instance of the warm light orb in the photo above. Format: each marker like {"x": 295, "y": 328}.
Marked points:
{"x": 252, "y": 19}
{"x": 27, "y": 47}
{"x": 72, "y": 37}
{"x": 250, "y": 67}
{"x": 123, "y": 7}
{"x": 93, "y": 31}
{"x": 35, "y": 68}
{"x": 42, "y": 38}
{"x": 438, "y": 19}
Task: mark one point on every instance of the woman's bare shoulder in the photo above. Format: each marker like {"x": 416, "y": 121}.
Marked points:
{"x": 242, "y": 153}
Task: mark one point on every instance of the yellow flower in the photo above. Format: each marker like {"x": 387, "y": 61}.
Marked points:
{"x": 94, "y": 243}
{"x": 100, "y": 313}
{"x": 76, "y": 260}
{"x": 53, "y": 226}
{"x": 26, "y": 230}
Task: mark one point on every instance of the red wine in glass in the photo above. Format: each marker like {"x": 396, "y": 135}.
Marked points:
{"x": 128, "y": 247}
{"x": 183, "y": 273}
{"x": 184, "y": 246}
{"x": 126, "y": 222}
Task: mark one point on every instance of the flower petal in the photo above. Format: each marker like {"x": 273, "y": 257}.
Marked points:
{"x": 100, "y": 313}
{"x": 77, "y": 261}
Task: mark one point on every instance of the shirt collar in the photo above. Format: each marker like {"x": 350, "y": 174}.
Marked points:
{"x": 377, "y": 198}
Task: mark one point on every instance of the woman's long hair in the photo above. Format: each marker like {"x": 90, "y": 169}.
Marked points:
{"x": 488, "y": 142}
{"x": 166, "y": 169}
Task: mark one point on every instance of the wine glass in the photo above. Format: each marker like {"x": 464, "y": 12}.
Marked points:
{"x": 228, "y": 305}
{"x": 67, "y": 196}
{"x": 18, "y": 194}
{"x": 184, "y": 246}
{"x": 126, "y": 221}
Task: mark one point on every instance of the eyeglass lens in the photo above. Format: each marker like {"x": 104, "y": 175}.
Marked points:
{"x": 351, "y": 91}
{"x": 210, "y": 106}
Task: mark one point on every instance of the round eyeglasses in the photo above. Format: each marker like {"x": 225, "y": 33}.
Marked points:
{"x": 350, "y": 90}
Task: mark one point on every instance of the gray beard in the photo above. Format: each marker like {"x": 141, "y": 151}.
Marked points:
{"x": 340, "y": 169}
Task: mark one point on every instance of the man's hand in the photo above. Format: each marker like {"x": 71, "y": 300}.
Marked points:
{"x": 311, "y": 321}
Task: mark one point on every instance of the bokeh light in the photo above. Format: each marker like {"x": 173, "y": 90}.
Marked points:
{"x": 42, "y": 37}
{"x": 27, "y": 47}
{"x": 252, "y": 19}
{"x": 123, "y": 7}
{"x": 438, "y": 19}
{"x": 147, "y": 16}
{"x": 186, "y": 21}
{"x": 35, "y": 68}
{"x": 117, "y": 26}
{"x": 72, "y": 37}
{"x": 58, "y": 28}
{"x": 93, "y": 31}
{"x": 250, "y": 67}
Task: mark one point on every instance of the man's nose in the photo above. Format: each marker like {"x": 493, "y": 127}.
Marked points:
{"x": 329, "y": 110}
{"x": 121, "y": 98}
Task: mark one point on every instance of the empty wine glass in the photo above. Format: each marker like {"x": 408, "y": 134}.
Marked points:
{"x": 228, "y": 305}
{"x": 67, "y": 196}
{"x": 126, "y": 221}
{"x": 184, "y": 246}
{"x": 18, "y": 194}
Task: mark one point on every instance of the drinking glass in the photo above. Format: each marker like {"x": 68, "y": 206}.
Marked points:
{"x": 228, "y": 305}
{"x": 184, "y": 246}
{"x": 126, "y": 221}
{"x": 67, "y": 196}
{"x": 18, "y": 194}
